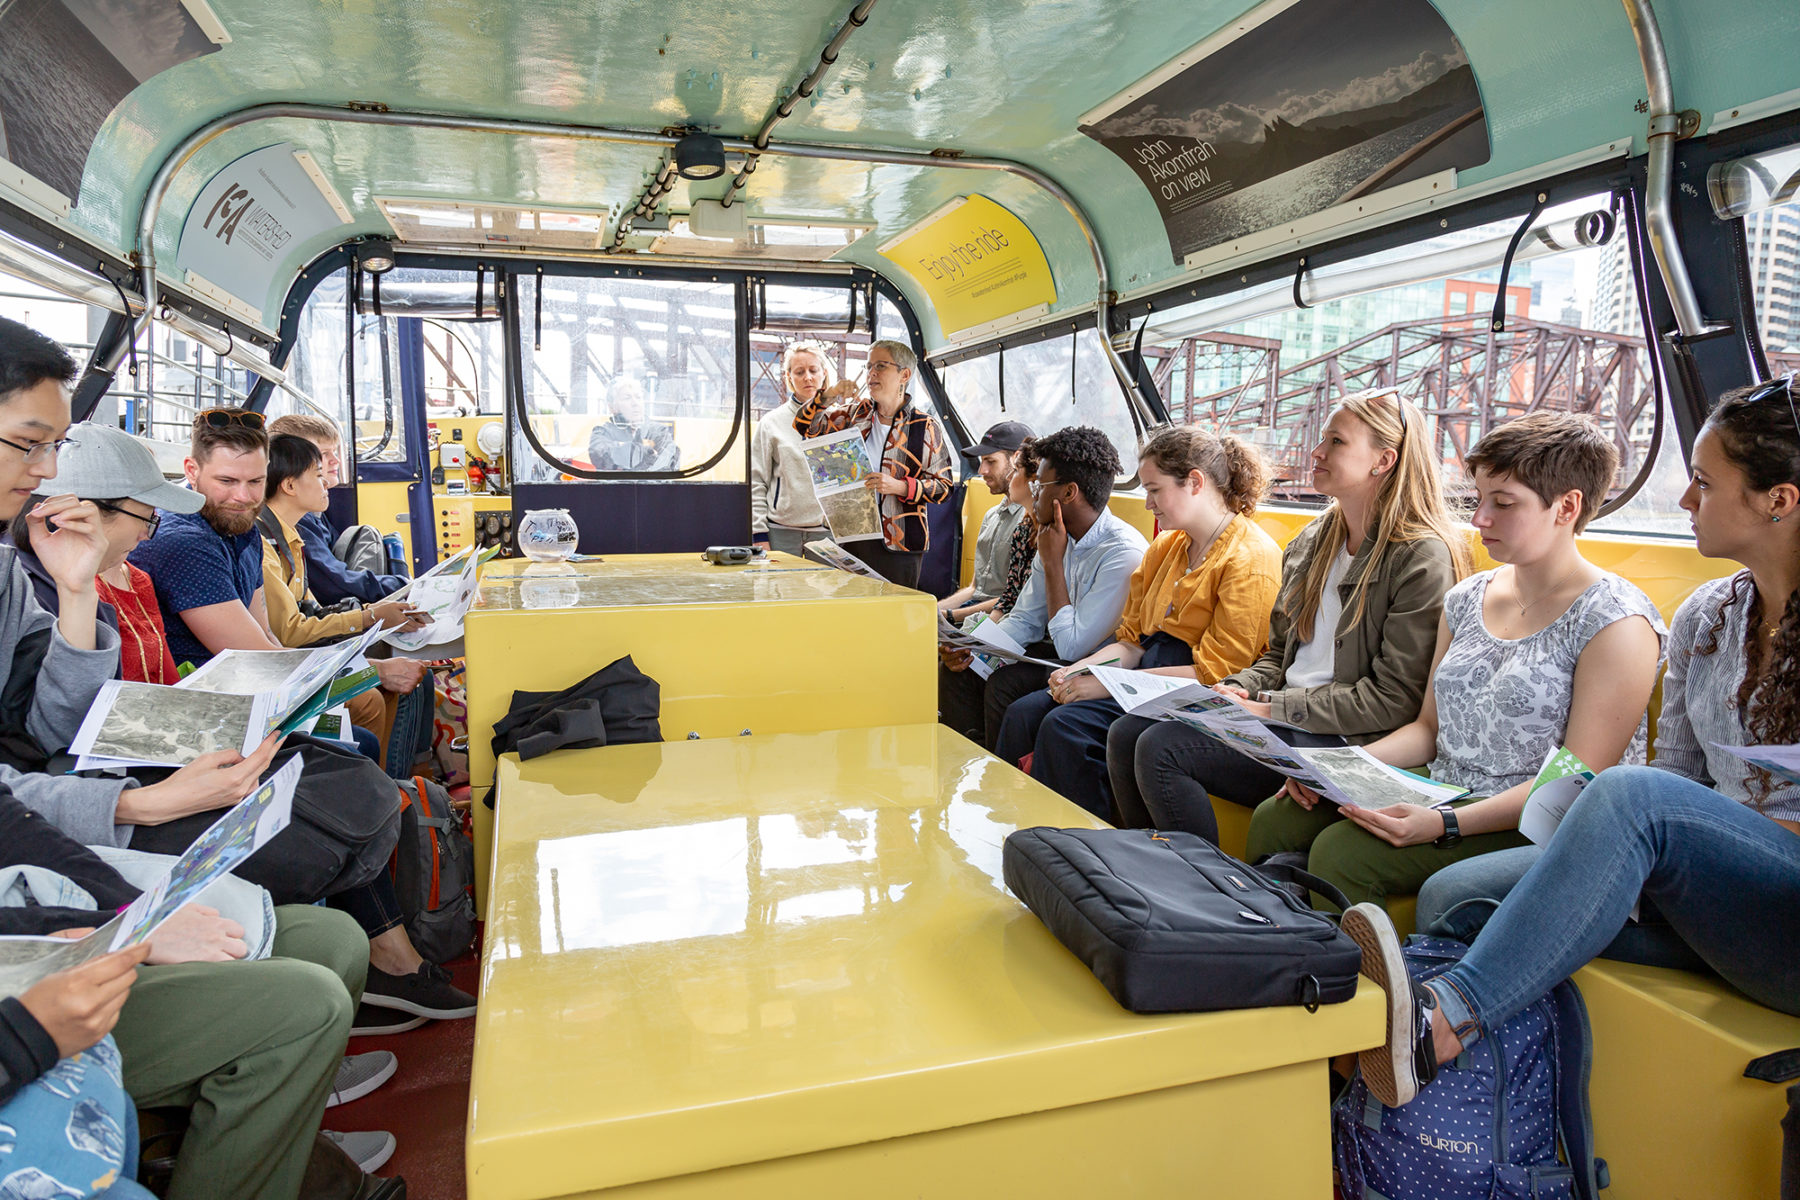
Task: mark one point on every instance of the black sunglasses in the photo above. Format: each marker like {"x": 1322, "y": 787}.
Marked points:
{"x": 223, "y": 418}
{"x": 154, "y": 520}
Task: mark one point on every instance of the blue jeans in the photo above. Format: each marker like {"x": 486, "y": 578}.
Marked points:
{"x": 70, "y": 1129}
{"x": 1724, "y": 877}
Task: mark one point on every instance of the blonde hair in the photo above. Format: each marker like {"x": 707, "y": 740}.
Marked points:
{"x": 1228, "y": 462}
{"x": 818, "y": 351}
{"x": 1409, "y": 505}
{"x": 310, "y": 426}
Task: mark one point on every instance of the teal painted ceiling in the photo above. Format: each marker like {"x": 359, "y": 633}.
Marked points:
{"x": 991, "y": 77}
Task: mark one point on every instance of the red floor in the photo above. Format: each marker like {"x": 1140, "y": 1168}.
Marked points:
{"x": 426, "y": 1104}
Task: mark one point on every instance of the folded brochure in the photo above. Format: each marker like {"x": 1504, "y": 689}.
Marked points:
{"x": 990, "y": 645}
{"x": 445, "y": 597}
{"x": 243, "y": 830}
{"x": 1558, "y": 784}
{"x": 1348, "y": 776}
{"x": 148, "y": 725}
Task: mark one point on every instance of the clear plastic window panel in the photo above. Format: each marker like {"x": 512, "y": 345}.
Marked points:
{"x": 1418, "y": 318}
{"x": 317, "y": 366}
{"x": 628, "y": 376}
{"x": 1049, "y": 385}
{"x": 820, "y": 316}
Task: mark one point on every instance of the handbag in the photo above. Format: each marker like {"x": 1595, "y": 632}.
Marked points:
{"x": 1168, "y": 922}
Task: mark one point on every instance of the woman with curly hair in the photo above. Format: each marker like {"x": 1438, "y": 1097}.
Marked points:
{"x": 1711, "y": 842}
{"x": 1197, "y": 608}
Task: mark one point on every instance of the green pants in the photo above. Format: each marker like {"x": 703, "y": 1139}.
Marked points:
{"x": 251, "y": 1048}
{"x": 1363, "y": 867}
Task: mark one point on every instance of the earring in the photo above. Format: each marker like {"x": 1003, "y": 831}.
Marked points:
{"x": 1374, "y": 474}
{"x": 1774, "y": 520}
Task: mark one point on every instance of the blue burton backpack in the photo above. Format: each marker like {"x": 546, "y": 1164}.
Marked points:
{"x": 1490, "y": 1124}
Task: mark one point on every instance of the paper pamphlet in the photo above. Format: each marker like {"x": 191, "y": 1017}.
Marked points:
{"x": 839, "y": 463}
{"x": 843, "y": 560}
{"x": 246, "y": 828}
{"x": 1559, "y": 781}
{"x": 149, "y": 725}
{"x": 1348, "y": 776}
{"x": 1143, "y": 694}
{"x": 1783, "y": 762}
{"x": 991, "y": 646}
{"x": 446, "y": 597}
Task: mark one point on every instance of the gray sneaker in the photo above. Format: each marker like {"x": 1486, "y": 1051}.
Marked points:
{"x": 360, "y": 1074}
{"x": 370, "y": 1150}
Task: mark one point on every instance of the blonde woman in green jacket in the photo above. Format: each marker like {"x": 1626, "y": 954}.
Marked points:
{"x": 1352, "y": 633}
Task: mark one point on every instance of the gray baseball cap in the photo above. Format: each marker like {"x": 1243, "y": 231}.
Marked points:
{"x": 103, "y": 463}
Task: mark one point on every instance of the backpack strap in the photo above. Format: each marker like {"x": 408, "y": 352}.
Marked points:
{"x": 270, "y": 527}
{"x": 1783, "y": 1066}
{"x": 1574, "y": 1046}
{"x": 425, "y": 811}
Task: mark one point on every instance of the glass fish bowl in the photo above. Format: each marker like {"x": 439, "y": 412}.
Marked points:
{"x": 548, "y": 535}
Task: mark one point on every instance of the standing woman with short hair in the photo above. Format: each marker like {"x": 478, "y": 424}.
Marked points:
{"x": 1198, "y": 607}
{"x": 1350, "y": 640}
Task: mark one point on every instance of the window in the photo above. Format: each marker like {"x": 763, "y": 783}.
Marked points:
{"x": 811, "y": 314}
{"x": 629, "y": 377}
{"x": 1411, "y": 318}
{"x": 1049, "y": 385}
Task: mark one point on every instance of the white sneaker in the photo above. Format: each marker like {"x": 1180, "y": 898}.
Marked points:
{"x": 360, "y": 1074}
{"x": 370, "y": 1150}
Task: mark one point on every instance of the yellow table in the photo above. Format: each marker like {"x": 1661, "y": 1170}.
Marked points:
{"x": 786, "y": 966}
{"x": 779, "y": 647}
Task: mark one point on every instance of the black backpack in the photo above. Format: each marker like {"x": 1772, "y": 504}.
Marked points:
{"x": 434, "y": 872}
{"x": 1168, "y": 922}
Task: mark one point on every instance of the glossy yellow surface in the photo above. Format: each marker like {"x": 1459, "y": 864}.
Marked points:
{"x": 787, "y": 965}
{"x": 1674, "y": 1116}
{"x": 384, "y": 506}
{"x": 778, "y": 648}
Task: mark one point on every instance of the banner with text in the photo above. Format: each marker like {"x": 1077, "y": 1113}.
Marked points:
{"x": 245, "y": 218}
{"x": 976, "y": 261}
{"x": 1322, "y": 103}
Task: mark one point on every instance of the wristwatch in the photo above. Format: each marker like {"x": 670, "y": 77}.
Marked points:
{"x": 1452, "y": 833}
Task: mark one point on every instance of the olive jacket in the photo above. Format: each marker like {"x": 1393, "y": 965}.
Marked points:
{"x": 1380, "y": 662}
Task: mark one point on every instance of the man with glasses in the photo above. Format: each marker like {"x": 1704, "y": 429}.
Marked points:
{"x": 1078, "y": 585}
{"x": 905, "y": 441}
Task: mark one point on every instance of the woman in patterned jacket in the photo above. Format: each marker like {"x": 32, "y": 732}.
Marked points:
{"x": 908, "y": 443}
{"x": 1545, "y": 651}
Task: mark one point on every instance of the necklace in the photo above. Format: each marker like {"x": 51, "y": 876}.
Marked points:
{"x": 1195, "y": 566}
{"x": 1556, "y": 587}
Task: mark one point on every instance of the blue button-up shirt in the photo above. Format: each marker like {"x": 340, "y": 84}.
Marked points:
{"x": 328, "y": 579}
{"x": 1097, "y": 567}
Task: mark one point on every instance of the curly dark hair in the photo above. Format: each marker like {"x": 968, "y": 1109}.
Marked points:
{"x": 1083, "y": 456}
{"x": 1758, "y": 428}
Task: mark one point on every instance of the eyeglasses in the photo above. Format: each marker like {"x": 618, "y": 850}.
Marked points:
{"x": 1783, "y": 387}
{"x": 38, "y": 452}
{"x": 1038, "y": 485}
{"x": 884, "y": 366}
{"x": 154, "y": 520}
{"x": 224, "y": 418}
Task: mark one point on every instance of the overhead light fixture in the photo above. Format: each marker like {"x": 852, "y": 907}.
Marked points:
{"x": 376, "y": 255}
{"x": 700, "y": 156}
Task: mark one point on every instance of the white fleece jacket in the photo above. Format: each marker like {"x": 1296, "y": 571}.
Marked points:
{"x": 781, "y": 488}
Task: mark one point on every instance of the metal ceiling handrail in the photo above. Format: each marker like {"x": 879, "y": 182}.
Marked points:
{"x": 1665, "y": 130}
{"x": 375, "y": 115}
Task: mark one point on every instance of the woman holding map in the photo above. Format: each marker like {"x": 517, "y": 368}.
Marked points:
{"x": 1708, "y": 839}
{"x": 1544, "y": 651}
{"x": 1197, "y": 608}
{"x": 1362, "y": 590}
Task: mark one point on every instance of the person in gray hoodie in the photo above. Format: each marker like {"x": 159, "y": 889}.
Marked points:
{"x": 784, "y": 512}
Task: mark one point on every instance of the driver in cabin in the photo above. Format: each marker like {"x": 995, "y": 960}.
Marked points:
{"x": 625, "y": 441}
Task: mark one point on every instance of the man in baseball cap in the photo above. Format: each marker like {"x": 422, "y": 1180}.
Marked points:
{"x": 998, "y": 455}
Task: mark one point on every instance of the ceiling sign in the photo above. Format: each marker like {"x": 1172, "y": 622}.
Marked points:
{"x": 1300, "y": 106}
{"x": 66, "y": 64}
{"x": 976, "y": 261}
{"x": 246, "y": 218}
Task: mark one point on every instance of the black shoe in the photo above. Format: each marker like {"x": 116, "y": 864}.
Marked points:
{"x": 377, "y": 1022}
{"x": 331, "y": 1175}
{"x": 427, "y": 992}
{"x": 1406, "y": 1061}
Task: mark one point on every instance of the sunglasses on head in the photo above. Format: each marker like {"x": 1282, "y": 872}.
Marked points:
{"x": 1399, "y": 407}
{"x": 224, "y": 418}
{"x": 1783, "y": 387}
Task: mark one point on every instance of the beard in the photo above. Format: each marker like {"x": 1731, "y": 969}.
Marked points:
{"x": 231, "y": 522}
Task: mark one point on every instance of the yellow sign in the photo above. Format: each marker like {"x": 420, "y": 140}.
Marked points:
{"x": 976, "y": 261}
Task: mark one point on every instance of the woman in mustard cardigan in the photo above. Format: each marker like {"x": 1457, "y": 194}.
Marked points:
{"x": 1198, "y": 608}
